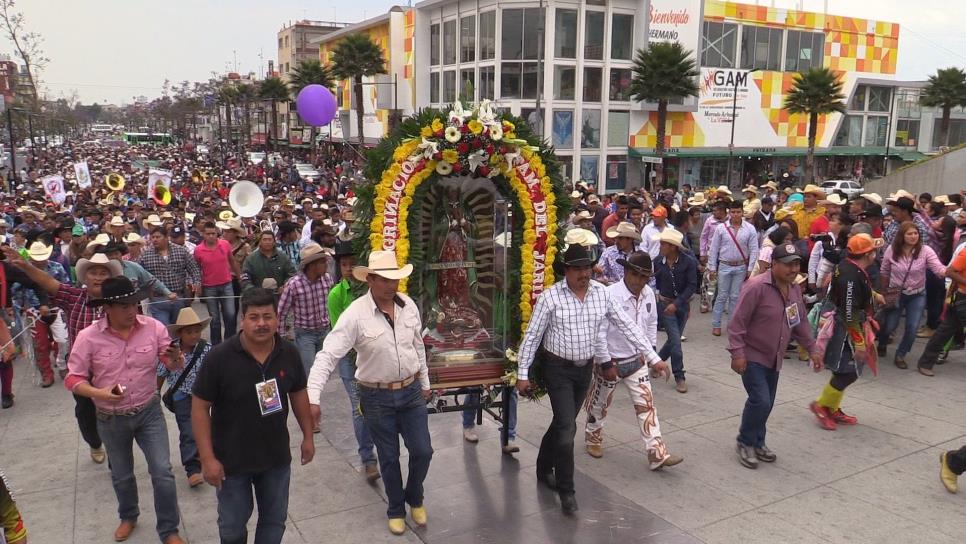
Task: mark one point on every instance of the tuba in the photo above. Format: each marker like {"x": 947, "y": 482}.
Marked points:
{"x": 161, "y": 194}
{"x": 108, "y": 200}
{"x": 225, "y": 215}
{"x": 246, "y": 199}
{"x": 114, "y": 182}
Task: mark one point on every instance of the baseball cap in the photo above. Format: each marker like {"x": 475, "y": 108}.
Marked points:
{"x": 77, "y": 231}
{"x": 786, "y": 253}
{"x": 860, "y": 244}
{"x": 659, "y": 211}
{"x": 177, "y": 231}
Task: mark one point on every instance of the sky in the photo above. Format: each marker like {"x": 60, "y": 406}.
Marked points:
{"x": 110, "y": 51}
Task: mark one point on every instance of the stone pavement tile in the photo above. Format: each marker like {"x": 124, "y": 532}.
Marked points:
{"x": 921, "y": 428}
{"x": 671, "y": 494}
{"x": 475, "y": 462}
{"x": 40, "y": 462}
{"x": 838, "y": 517}
{"x": 363, "y": 525}
{"x": 942, "y": 407}
{"x": 706, "y": 400}
{"x": 757, "y": 527}
{"x": 909, "y": 487}
{"x": 48, "y": 515}
{"x": 326, "y": 485}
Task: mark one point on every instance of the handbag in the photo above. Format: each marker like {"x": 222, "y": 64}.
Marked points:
{"x": 168, "y": 397}
{"x": 892, "y": 293}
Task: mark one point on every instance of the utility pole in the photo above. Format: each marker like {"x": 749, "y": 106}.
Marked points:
{"x": 13, "y": 149}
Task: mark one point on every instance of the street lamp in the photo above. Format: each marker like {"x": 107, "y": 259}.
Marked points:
{"x": 734, "y": 117}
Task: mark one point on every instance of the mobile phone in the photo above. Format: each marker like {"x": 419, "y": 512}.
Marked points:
{"x": 118, "y": 389}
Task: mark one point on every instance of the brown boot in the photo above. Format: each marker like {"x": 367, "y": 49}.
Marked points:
{"x": 372, "y": 472}
{"x": 595, "y": 450}
{"x": 174, "y": 539}
{"x": 124, "y": 530}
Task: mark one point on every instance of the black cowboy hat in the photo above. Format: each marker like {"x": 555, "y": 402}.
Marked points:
{"x": 343, "y": 248}
{"x": 578, "y": 255}
{"x": 120, "y": 290}
{"x": 638, "y": 261}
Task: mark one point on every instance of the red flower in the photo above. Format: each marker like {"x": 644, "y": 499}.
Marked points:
{"x": 463, "y": 148}
{"x": 438, "y": 155}
{"x": 484, "y": 170}
{"x": 464, "y": 129}
{"x": 490, "y": 149}
{"x": 457, "y": 166}
{"x": 477, "y": 143}
{"x": 439, "y": 133}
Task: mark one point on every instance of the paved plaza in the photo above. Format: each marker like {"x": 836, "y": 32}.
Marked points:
{"x": 876, "y": 482}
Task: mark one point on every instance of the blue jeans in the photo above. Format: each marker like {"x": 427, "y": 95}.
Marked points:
{"x": 761, "y": 383}
{"x": 347, "y": 371}
{"x": 186, "y": 438}
{"x": 308, "y": 342}
{"x": 389, "y": 414}
{"x": 913, "y": 305}
{"x": 730, "y": 279}
{"x": 148, "y": 428}
{"x": 469, "y": 417}
{"x": 674, "y": 327}
{"x": 216, "y": 298}
{"x": 235, "y": 505}
{"x": 165, "y": 311}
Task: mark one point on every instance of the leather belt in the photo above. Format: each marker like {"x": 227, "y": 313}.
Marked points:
{"x": 390, "y": 386}
{"x": 128, "y": 411}
{"x": 733, "y": 263}
{"x": 552, "y": 358}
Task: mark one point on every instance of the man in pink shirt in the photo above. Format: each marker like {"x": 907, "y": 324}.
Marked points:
{"x": 114, "y": 362}
{"x": 215, "y": 260}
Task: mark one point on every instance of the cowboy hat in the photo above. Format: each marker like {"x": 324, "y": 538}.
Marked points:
{"x": 750, "y": 189}
{"x": 382, "y": 263}
{"x": 670, "y": 236}
{"x": 153, "y": 220}
{"x": 872, "y": 197}
{"x": 899, "y": 194}
{"x": 98, "y": 259}
{"x": 723, "y": 189}
{"x": 576, "y": 194}
{"x": 186, "y": 318}
{"x": 343, "y": 248}
{"x": 812, "y": 189}
{"x": 117, "y": 221}
{"x": 39, "y": 251}
{"x": 133, "y": 238}
{"x": 770, "y": 185}
{"x": 101, "y": 239}
{"x": 312, "y": 252}
{"x": 120, "y": 290}
{"x": 624, "y": 230}
{"x": 582, "y": 237}
{"x": 235, "y": 223}
{"x": 697, "y": 200}
{"x": 834, "y": 199}
{"x": 638, "y": 261}
{"x": 584, "y": 214}
{"x": 579, "y": 255}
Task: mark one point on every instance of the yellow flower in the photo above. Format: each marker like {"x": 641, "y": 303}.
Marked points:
{"x": 450, "y": 155}
{"x": 407, "y": 201}
{"x": 426, "y": 132}
{"x": 475, "y": 126}
{"x": 508, "y": 126}
{"x": 437, "y": 125}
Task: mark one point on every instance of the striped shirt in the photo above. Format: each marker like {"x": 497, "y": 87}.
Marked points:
{"x": 723, "y": 248}
{"x": 307, "y": 300}
{"x": 569, "y": 328}
{"x": 175, "y": 270}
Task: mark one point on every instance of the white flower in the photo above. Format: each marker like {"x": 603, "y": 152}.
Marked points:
{"x": 476, "y": 159}
{"x": 429, "y": 148}
{"x": 496, "y": 133}
{"x": 444, "y": 168}
{"x": 510, "y": 158}
{"x": 511, "y": 355}
{"x": 458, "y": 114}
{"x": 485, "y": 114}
{"x": 453, "y": 135}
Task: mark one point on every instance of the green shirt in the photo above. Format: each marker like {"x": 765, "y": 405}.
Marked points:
{"x": 257, "y": 268}
{"x": 340, "y": 297}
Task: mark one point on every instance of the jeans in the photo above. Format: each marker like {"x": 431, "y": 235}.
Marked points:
{"x": 956, "y": 460}
{"x": 309, "y": 342}
{"x": 935, "y": 294}
{"x": 913, "y": 305}
{"x": 761, "y": 383}
{"x": 86, "y": 416}
{"x": 674, "y": 327}
{"x": 186, "y": 437}
{"x": 469, "y": 417}
{"x": 165, "y": 311}
{"x": 347, "y": 371}
{"x": 389, "y": 414}
{"x": 730, "y": 279}
{"x": 952, "y": 323}
{"x": 567, "y": 387}
{"x": 235, "y": 505}
{"x": 148, "y": 428}
{"x": 216, "y": 297}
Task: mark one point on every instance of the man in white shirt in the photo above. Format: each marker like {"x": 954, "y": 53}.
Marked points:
{"x": 732, "y": 256}
{"x": 638, "y": 301}
{"x": 656, "y": 226}
{"x": 383, "y": 326}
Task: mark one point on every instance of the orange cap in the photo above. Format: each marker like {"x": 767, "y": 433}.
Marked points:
{"x": 862, "y": 243}
{"x": 659, "y": 211}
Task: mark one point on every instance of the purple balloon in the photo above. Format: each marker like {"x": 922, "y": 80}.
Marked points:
{"x": 316, "y": 105}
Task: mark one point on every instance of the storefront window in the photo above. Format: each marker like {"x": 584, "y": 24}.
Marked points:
{"x": 907, "y": 133}
{"x": 594, "y": 35}
{"x": 761, "y": 47}
{"x": 590, "y": 129}
{"x": 858, "y": 99}
{"x": 564, "y": 82}
{"x": 620, "y": 84}
{"x": 850, "y": 132}
{"x": 618, "y": 127}
{"x": 880, "y": 99}
{"x": 565, "y": 34}
{"x": 876, "y": 129}
{"x": 616, "y": 173}
{"x": 718, "y": 45}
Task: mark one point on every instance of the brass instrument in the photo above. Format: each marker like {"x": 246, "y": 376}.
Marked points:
{"x": 114, "y": 182}
{"x": 198, "y": 177}
{"x": 161, "y": 194}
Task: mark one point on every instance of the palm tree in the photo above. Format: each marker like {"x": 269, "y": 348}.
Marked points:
{"x": 274, "y": 90}
{"x": 815, "y": 92}
{"x": 663, "y": 72}
{"x": 310, "y": 72}
{"x": 355, "y": 57}
{"x": 946, "y": 90}
{"x": 246, "y": 94}
{"x": 227, "y": 96}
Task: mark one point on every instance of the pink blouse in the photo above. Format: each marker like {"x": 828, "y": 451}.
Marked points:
{"x": 910, "y": 273}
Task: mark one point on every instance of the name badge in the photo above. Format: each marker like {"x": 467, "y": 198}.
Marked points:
{"x": 269, "y": 398}
{"x": 792, "y": 316}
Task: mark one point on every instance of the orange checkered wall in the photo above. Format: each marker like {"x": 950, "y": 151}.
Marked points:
{"x": 681, "y": 130}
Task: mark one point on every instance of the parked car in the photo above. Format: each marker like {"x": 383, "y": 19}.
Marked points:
{"x": 255, "y": 157}
{"x": 307, "y": 171}
{"x": 851, "y": 188}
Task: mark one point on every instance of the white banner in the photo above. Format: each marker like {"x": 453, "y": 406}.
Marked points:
{"x": 156, "y": 176}
{"x": 676, "y": 21}
{"x": 82, "y": 174}
{"x": 54, "y": 188}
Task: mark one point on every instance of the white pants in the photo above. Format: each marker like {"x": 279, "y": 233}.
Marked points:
{"x": 639, "y": 386}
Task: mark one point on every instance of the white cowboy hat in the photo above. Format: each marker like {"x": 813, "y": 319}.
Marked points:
{"x": 101, "y": 239}
{"x": 235, "y": 223}
{"x": 770, "y": 185}
{"x": 811, "y": 188}
{"x": 39, "y": 251}
{"x": 98, "y": 259}
{"x": 117, "y": 221}
{"x": 152, "y": 221}
{"x": 584, "y": 214}
{"x": 624, "y": 230}
{"x": 582, "y": 237}
{"x": 723, "y": 189}
{"x": 670, "y": 236}
{"x": 576, "y": 194}
{"x": 382, "y": 263}
{"x": 835, "y": 199}
{"x": 311, "y": 253}
{"x": 186, "y": 318}
{"x": 133, "y": 238}
{"x": 750, "y": 189}
{"x": 697, "y": 200}
{"x": 899, "y": 194}
{"x": 874, "y": 198}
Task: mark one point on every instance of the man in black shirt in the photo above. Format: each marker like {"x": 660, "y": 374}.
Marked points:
{"x": 239, "y": 415}
{"x": 675, "y": 273}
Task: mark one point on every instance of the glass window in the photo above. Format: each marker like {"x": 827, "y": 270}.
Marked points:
{"x": 593, "y": 82}
{"x": 761, "y": 47}
{"x": 511, "y": 38}
{"x": 594, "y": 35}
{"x": 487, "y": 88}
{"x": 908, "y": 103}
{"x": 468, "y": 39}
{"x": 804, "y": 51}
{"x": 588, "y": 168}
{"x": 449, "y": 86}
{"x": 880, "y": 98}
{"x": 876, "y": 128}
{"x": 850, "y": 132}
{"x": 533, "y": 22}
{"x": 487, "y": 35}
{"x": 564, "y": 82}
{"x": 565, "y": 34}
{"x": 858, "y": 99}
{"x": 531, "y": 80}
{"x": 468, "y": 85}
{"x": 618, "y": 128}
{"x": 590, "y": 129}
{"x": 510, "y": 74}
{"x": 534, "y": 119}
{"x": 449, "y": 42}
{"x": 622, "y": 36}
{"x": 433, "y": 87}
{"x": 616, "y": 173}
{"x": 907, "y": 132}
{"x": 563, "y": 129}
{"x": 434, "y": 45}
{"x": 718, "y": 44}
{"x": 620, "y": 84}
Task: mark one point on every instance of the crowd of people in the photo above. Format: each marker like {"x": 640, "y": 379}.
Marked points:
{"x": 100, "y": 288}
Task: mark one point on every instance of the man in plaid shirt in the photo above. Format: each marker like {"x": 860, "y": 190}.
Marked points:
{"x": 305, "y": 295}
{"x": 177, "y": 270}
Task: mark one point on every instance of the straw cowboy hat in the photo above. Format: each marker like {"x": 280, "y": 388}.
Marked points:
{"x": 723, "y": 190}
{"x": 120, "y": 290}
{"x": 812, "y": 189}
{"x": 770, "y": 185}
{"x": 750, "y": 189}
{"x": 624, "y": 230}
{"x": 98, "y": 259}
{"x": 312, "y": 252}
{"x": 234, "y": 223}
{"x": 874, "y": 198}
{"x": 697, "y": 200}
{"x": 576, "y": 194}
{"x": 670, "y": 236}
{"x": 584, "y": 214}
{"x": 582, "y": 237}
{"x": 39, "y": 251}
{"x": 101, "y": 239}
{"x": 186, "y": 318}
{"x": 382, "y": 263}
{"x": 133, "y": 238}
{"x": 899, "y": 194}
{"x": 835, "y": 199}
{"x": 117, "y": 221}
{"x": 153, "y": 220}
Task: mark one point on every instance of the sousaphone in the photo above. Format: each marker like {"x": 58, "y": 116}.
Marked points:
{"x": 246, "y": 199}
{"x": 114, "y": 182}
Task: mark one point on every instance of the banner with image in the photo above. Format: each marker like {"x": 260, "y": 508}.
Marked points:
{"x": 54, "y": 188}
{"x": 82, "y": 174}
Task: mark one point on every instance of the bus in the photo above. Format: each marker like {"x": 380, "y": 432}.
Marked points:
{"x": 102, "y": 129}
{"x": 157, "y": 138}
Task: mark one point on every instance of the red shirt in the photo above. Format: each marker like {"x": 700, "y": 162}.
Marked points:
{"x": 213, "y": 262}
{"x": 819, "y": 226}
{"x": 610, "y": 221}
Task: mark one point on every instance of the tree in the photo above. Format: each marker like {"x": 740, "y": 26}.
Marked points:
{"x": 813, "y": 93}
{"x": 663, "y": 72}
{"x": 28, "y": 45}
{"x": 355, "y": 57}
{"x": 227, "y": 96}
{"x": 246, "y": 94}
{"x": 273, "y": 90}
{"x": 946, "y": 90}
{"x": 310, "y": 72}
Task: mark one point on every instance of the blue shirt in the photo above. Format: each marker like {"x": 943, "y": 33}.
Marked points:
{"x": 184, "y": 390}
{"x": 679, "y": 282}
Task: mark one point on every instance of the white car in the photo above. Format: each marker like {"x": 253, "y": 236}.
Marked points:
{"x": 851, "y": 188}
{"x": 255, "y": 158}
{"x": 307, "y": 171}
